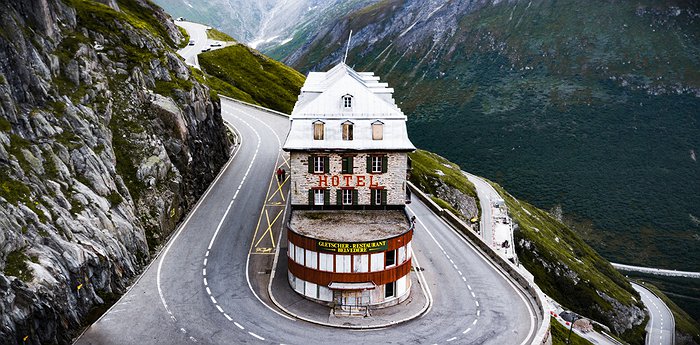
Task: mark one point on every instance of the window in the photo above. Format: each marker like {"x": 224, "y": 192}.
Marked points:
{"x": 377, "y": 262}
{"x": 390, "y": 258}
{"x": 299, "y": 255}
{"x": 389, "y": 290}
{"x": 347, "y": 196}
{"x": 347, "y": 165}
{"x": 325, "y": 262}
{"x": 318, "y": 130}
{"x": 378, "y": 196}
{"x": 361, "y": 263}
{"x": 347, "y": 102}
{"x": 319, "y": 197}
{"x": 290, "y": 250}
{"x": 377, "y": 164}
{"x": 402, "y": 254}
{"x": 342, "y": 263}
{"x": 319, "y": 166}
{"x": 347, "y": 130}
{"x": 377, "y": 130}
{"x": 311, "y": 259}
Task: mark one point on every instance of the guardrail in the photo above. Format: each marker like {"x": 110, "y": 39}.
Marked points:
{"x": 279, "y": 113}
{"x": 529, "y": 287}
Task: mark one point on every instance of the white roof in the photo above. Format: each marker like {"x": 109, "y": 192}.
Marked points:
{"x": 321, "y": 99}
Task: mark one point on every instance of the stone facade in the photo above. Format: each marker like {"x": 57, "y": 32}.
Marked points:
{"x": 393, "y": 180}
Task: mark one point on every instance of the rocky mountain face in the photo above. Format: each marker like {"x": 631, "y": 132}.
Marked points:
{"x": 106, "y": 141}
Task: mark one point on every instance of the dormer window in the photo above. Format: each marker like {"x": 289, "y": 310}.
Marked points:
{"x": 347, "y": 130}
{"x": 377, "y": 130}
{"x": 318, "y": 129}
{"x": 347, "y": 102}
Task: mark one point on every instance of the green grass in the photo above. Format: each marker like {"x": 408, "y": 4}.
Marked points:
{"x": 16, "y": 266}
{"x": 185, "y": 37}
{"x": 114, "y": 198}
{"x": 214, "y": 34}
{"x": 425, "y": 166}
{"x": 167, "y": 88}
{"x": 5, "y": 126}
{"x": 684, "y": 323}
{"x": 267, "y": 82}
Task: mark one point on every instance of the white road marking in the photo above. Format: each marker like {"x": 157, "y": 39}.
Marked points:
{"x": 466, "y": 331}
{"x": 475, "y": 320}
{"x": 478, "y": 311}
{"x": 164, "y": 254}
{"x": 465, "y": 279}
{"x": 212, "y": 299}
{"x": 208, "y": 291}
{"x": 238, "y": 325}
{"x": 255, "y": 335}
{"x": 228, "y": 317}
{"x": 204, "y": 272}
{"x": 451, "y": 339}
{"x": 219, "y": 307}
{"x": 205, "y": 282}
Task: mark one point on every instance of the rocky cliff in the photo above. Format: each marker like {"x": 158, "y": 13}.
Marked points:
{"x": 106, "y": 141}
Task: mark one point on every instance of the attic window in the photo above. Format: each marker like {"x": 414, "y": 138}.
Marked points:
{"x": 347, "y": 130}
{"x": 347, "y": 102}
{"x": 377, "y": 130}
{"x": 318, "y": 129}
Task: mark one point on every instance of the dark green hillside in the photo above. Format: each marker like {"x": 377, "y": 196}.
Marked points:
{"x": 564, "y": 266}
{"x": 253, "y": 77}
{"x": 590, "y": 106}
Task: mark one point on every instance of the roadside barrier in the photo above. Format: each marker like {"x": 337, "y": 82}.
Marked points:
{"x": 529, "y": 287}
{"x": 255, "y": 106}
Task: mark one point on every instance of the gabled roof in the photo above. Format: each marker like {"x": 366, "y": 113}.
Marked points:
{"x": 321, "y": 99}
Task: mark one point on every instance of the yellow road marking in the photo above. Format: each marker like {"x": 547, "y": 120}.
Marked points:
{"x": 269, "y": 228}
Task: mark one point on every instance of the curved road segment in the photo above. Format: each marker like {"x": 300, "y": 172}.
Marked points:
{"x": 661, "y": 327}
{"x": 173, "y": 304}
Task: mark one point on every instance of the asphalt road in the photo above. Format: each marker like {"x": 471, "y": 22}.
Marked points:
{"x": 172, "y": 304}
{"x": 661, "y": 327}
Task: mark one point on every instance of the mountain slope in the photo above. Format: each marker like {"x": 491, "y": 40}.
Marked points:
{"x": 590, "y": 106}
{"x": 106, "y": 141}
{"x": 563, "y": 265}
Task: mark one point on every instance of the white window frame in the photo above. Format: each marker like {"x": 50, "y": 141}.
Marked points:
{"x": 342, "y": 263}
{"x": 347, "y": 196}
{"x": 319, "y": 167}
{"x": 376, "y": 164}
{"x": 401, "y": 255}
{"x": 377, "y": 196}
{"x": 360, "y": 263}
{"x": 319, "y": 196}
{"x": 325, "y": 262}
{"x": 299, "y": 255}
{"x": 385, "y": 257}
{"x": 311, "y": 259}
{"x": 290, "y": 250}
{"x": 377, "y": 262}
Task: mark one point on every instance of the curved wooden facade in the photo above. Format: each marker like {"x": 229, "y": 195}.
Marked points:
{"x": 324, "y": 278}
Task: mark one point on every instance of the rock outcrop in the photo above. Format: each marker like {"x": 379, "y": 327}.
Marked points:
{"x": 106, "y": 141}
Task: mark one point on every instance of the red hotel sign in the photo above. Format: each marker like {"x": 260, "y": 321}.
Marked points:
{"x": 347, "y": 181}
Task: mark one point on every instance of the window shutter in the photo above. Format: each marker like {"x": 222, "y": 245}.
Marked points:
{"x": 354, "y": 196}
{"x": 384, "y": 192}
{"x": 326, "y": 197}
{"x": 369, "y": 164}
{"x": 350, "y": 169}
{"x": 385, "y": 163}
{"x": 311, "y": 196}
{"x": 372, "y": 196}
{"x": 339, "y": 197}
{"x": 326, "y": 167}
{"x": 311, "y": 164}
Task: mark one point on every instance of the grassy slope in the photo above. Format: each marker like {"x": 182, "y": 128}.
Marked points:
{"x": 684, "y": 323}
{"x": 560, "y": 335}
{"x": 554, "y": 248}
{"x": 215, "y": 34}
{"x": 253, "y": 77}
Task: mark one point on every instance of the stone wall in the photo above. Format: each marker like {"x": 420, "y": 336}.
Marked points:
{"x": 394, "y": 180}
